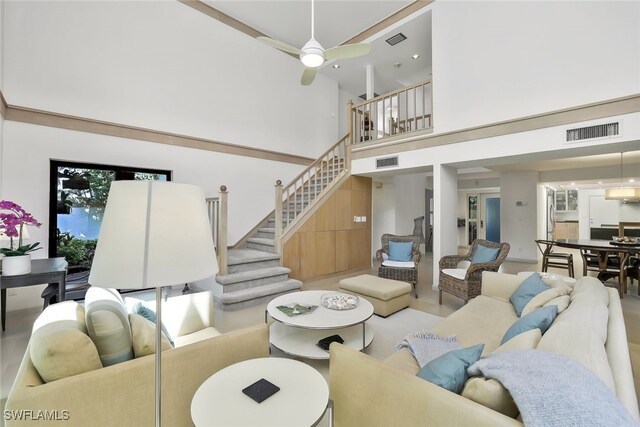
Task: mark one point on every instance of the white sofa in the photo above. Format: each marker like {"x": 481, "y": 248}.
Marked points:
{"x": 123, "y": 394}
{"x": 387, "y": 393}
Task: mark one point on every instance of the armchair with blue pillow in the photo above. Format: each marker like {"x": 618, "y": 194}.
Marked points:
{"x": 461, "y": 275}
{"x": 398, "y": 259}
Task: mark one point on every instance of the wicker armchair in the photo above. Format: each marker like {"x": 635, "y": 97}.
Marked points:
{"x": 468, "y": 284}
{"x": 403, "y": 274}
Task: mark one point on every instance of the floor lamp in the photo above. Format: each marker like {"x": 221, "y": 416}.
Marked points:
{"x": 153, "y": 234}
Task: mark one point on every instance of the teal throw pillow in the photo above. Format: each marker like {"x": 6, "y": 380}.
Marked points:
{"x": 400, "y": 251}
{"x": 529, "y": 288}
{"x": 484, "y": 254}
{"x": 450, "y": 370}
{"x": 541, "y": 319}
{"x": 150, "y": 315}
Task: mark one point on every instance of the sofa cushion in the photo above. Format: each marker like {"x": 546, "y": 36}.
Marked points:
{"x": 200, "y": 335}
{"x": 525, "y": 341}
{"x": 538, "y": 319}
{"x": 143, "y": 333}
{"x": 593, "y": 288}
{"x": 59, "y": 346}
{"x": 580, "y": 343}
{"x": 458, "y": 273}
{"x": 483, "y": 320}
{"x": 589, "y": 310}
{"x": 544, "y": 297}
{"x": 449, "y": 371}
{"x": 108, "y": 325}
{"x": 400, "y": 251}
{"x": 529, "y": 288}
{"x": 490, "y": 393}
{"x": 561, "y": 302}
{"x": 149, "y": 314}
{"x": 403, "y": 360}
{"x": 484, "y": 254}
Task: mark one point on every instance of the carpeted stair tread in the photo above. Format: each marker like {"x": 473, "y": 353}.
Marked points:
{"x": 244, "y": 276}
{"x": 243, "y": 256}
{"x": 260, "y": 291}
{"x": 267, "y": 229}
{"x": 260, "y": 241}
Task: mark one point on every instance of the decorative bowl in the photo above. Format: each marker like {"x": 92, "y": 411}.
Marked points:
{"x": 339, "y": 301}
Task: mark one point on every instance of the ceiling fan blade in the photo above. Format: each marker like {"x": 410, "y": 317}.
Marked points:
{"x": 347, "y": 51}
{"x": 280, "y": 45}
{"x": 307, "y": 76}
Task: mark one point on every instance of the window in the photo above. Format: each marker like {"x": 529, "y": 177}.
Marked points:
{"x": 77, "y": 198}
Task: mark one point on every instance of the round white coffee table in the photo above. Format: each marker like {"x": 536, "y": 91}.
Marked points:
{"x": 301, "y": 401}
{"x": 298, "y": 335}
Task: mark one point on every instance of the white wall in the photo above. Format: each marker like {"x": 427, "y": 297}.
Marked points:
{"x": 29, "y": 148}
{"x": 383, "y": 213}
{"x": 163, "y": 65}
{"x": 495, "y": 60}
{"x": 519, "y": 213}
{"x": 445, "y": 222}
{"x": 409, "y": 201}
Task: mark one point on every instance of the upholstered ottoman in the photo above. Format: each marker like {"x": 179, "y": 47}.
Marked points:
{"x": 387, "y": 296}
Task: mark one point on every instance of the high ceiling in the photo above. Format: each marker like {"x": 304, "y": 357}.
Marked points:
{"x": 339, "y": 21}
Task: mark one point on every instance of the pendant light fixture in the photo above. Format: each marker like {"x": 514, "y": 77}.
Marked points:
{"x": 622, "y": 192}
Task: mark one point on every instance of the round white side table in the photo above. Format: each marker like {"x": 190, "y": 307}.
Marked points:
{"x": 302, "y": 400}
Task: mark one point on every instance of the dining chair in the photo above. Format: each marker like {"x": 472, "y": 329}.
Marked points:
{"x": 555, "y": 259}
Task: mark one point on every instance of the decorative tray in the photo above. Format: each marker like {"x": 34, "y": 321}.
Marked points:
{"x": 632, "y": 244}
{"x": 339, "y": 301}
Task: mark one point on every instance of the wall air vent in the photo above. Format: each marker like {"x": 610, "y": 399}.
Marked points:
{"x": 386, "y": 162}
{"x": 592, "y": 132}
{"x": 394, "y": 40}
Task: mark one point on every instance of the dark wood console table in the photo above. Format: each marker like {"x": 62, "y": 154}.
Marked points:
{"x": 49, "y": 270}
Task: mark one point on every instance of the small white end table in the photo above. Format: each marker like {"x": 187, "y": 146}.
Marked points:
{"x": 302, "y": 400}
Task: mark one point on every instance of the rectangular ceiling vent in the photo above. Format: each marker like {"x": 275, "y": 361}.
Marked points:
{"x": 394, "y": 40}
{"x": 592, "y": 132}
{"x": 386, "y": 162}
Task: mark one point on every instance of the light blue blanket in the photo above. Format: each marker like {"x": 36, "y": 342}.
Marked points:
{"x": 426, "y": 346}
{"x": 553, "y": 390}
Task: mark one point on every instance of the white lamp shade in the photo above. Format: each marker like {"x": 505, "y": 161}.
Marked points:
{"x": 153, "y": 234}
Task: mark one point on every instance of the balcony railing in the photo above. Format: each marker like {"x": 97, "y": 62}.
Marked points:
{"x": 405, "y": 110}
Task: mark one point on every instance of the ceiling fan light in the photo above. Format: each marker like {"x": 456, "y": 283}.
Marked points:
{"x": 312, "y": 59}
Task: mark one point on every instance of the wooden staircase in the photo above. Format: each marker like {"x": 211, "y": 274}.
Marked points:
{"x": 255, "y": 274}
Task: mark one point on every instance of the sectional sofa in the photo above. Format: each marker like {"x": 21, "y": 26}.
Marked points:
{"x": 388, "y": 393}
{"x": 123, "y": 394}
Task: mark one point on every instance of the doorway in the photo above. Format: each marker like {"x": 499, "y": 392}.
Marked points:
{"x": 483, "y": 217}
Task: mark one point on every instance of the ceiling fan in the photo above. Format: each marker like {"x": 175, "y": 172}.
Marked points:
{"x": 313, "y": 55}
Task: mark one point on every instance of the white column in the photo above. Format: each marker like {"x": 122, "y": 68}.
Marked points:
{"x": 519, "y": 214}
{"x": 369, "y": 75}
{"x": 445, "y": 214}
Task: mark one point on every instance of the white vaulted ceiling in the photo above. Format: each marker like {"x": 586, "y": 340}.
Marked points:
{"x": 337, "y": 22}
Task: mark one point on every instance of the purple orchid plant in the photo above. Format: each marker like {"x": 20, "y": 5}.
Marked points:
{"x": 12, "y": 223}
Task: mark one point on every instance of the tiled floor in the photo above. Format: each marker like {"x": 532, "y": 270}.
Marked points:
{"x": 14, "y": 340}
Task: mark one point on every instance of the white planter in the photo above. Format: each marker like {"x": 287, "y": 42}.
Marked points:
{"x": 16, "y": 265}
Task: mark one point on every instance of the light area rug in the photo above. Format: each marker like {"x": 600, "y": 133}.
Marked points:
{"x": 387, "y": 333}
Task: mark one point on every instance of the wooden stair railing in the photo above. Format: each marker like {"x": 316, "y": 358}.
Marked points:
{"x": 217, "y": 210}
{"x": 293, "y": 199}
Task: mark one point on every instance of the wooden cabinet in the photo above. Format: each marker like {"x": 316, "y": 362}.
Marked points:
{"x": 566, "y": 230}
{"x": 566, "y": 200}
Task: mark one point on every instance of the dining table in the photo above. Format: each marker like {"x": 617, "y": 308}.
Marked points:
{"x": 604, "y": 249}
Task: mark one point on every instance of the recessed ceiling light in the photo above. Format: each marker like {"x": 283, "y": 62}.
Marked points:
{"x": 573, "y": 183}
{"x": 397, "y": 65}
{"x": 416, "y": 56}
{"x": 336, "y": 66}
{"x": 599, "y": 182}
{"x": 632, "y": 180}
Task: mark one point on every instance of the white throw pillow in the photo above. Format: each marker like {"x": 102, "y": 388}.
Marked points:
{"x": 544, "y": 297}
{"x": 143, "y": 332}
{"x": 59, "y": 346}
{"x": 561, "y": 302}
{"x": 108, "y": 325}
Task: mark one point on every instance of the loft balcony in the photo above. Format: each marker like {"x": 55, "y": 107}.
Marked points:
{"x": 393, "y": 116}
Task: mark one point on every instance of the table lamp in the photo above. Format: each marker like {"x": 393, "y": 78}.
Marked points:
{"x": 143, "y": 243}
